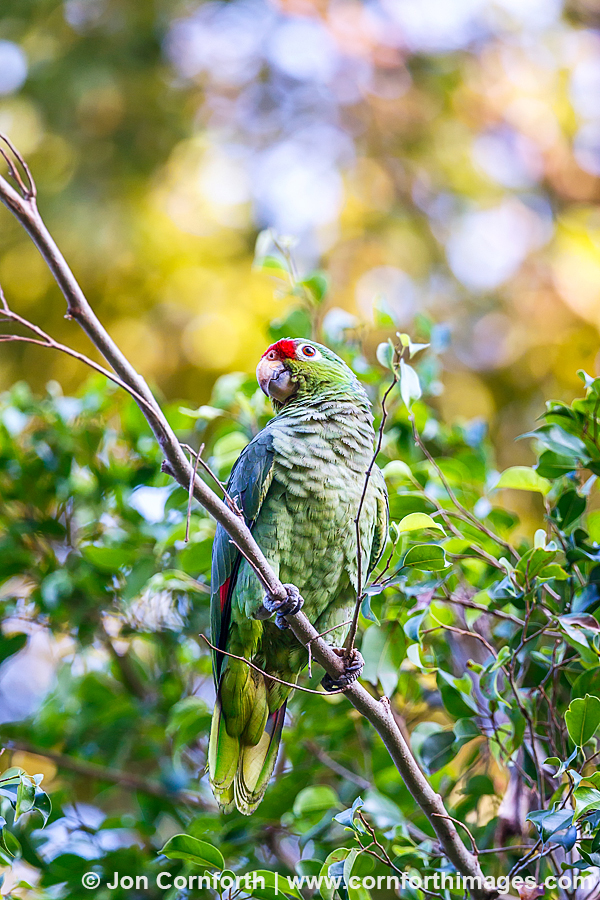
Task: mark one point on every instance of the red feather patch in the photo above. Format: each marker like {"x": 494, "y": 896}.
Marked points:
{"x": 223, "y": 593}
{"x": 285, "y": 349}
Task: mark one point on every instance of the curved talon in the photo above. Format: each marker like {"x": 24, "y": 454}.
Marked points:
{"x": 288, "y": 607}
{"x": 353, "y": 666}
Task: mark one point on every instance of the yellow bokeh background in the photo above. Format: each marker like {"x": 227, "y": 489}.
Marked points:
{"x": 442, "y": 171}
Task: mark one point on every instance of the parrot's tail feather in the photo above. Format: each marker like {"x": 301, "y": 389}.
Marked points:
{"x": 223, "y": 759}
{"x": 256, "y": 764}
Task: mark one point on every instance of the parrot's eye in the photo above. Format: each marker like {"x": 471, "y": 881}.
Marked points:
{"x": 272, "y": 355}
{"x": 309, "y": 351}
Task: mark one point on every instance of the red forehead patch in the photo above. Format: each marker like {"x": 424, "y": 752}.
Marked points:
{"x": 285, "y": 349}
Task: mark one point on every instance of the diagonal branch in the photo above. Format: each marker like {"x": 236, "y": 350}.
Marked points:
{"x": 22, "y": 203}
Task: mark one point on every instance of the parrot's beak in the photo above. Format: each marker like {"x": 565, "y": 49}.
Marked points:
{"x": 275, "y": 380}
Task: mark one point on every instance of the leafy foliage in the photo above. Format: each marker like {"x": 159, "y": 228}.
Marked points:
{"x": 484, "y": 638}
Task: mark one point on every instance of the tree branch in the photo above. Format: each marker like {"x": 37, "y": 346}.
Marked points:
{"x": 349, "y": 643}
{"x": 22, "y": 204}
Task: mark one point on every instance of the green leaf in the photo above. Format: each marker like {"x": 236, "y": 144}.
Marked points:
{"x": 271, "y": 265}
{"x": 416, "y": 522}
{"x": 412, "y": 627}
{"x": 413, "y": 349}
{"x": 581, "y": 629}
{"x": 183, "y": 846}
{"x": 382, "y": 809}
{"x": 187, "y": 720}
{"x": 11, "y": 844}
{"x": 556, "y": 438}
{"x": 347, "y": 816}
{"x": 587, "y": 799}
{"x": 561, "y": 765}
{"x": 427, "y": 557}
{"x": 366, "y": 611}
{"x": 456, "y": 696}
{"x": 359, "y": 864}
{"x": 582, "y": 719}
{"x": 317, "y": 284}
{"x": 587, "y": 683}
{"x": 309, "y": 867}
{"x": 548, "y": 822}
{"x": 109, "y": 559}
{"x": 465, "y": 731}
{"x": 553, "y": 465}
{"x": 274, "y": 885}
{"x": 383, "y": 651}
{"x": 43, "y": 804}
{"x": 208, "y": 413}
{"x": 11, "y": 645}
{"x": 593, "y": 525}
{"x": 316, "y": 798}
{"x": 570, "y": 507}
{"x": 504, "y": 654}
{"x": 436, "y": 750}
{"x": 385, "y": 354}
{"x": 196, "y": 559}
{"x": 336, "y": 856}
{"x": 523, "y": 478}
{"x": 553, "y": 571}
{"x": 397, "y": 470}
{"x": 25, "y": 796}
{"x": 12, "y": 775}
{"x": 264, "y": 243}
{"x": 410, "y": 386}
{"x": 532, "y": 563}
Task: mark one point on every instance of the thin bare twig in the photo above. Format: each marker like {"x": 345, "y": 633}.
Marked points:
{"x": 505, "y": 849}
{"x": 337, "y": 767}
{"x": 473, "y": 520}
{"x": 470, "y": 604}
{"x": 385, "y": 857}
{"x": 28, "y": 192}
{"x": 380, "y": 579}
{"x": 47, "y": 341}
{"x": 349, "y": 643}
{"x": 296, "y": 687}
{"x": 462, "y": 825}
{"x": 463, "y": 631}
{"x": 229, "y": 500}
{"x": 191, "y": 494}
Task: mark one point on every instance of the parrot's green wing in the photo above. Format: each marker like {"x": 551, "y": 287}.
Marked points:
{"x": 240, "y": 769}
{"x": 248, "y": 484}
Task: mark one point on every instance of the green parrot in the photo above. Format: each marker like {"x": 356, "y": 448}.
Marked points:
{"x": 298, "y": 484}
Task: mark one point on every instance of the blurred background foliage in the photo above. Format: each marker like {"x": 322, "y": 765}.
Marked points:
{"x": 438, "y": 159}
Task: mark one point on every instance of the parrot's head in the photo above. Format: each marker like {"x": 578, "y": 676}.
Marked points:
{"x": 296, "y": 367}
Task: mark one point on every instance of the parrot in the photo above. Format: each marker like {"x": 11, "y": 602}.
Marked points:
{"x": 298, "y": 484}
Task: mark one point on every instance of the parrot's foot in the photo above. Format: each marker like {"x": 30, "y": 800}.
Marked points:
{"x": 353, "y": 666}
{"x": 288, "y": 607}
